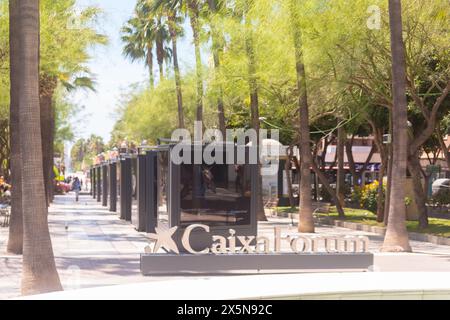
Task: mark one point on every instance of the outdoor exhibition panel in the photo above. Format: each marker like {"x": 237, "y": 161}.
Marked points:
{"x": 93, "y": 182}
{"x": 98, "y": 178}
{"x": 112, "y": 186}
{"x": 134, "y": 187}
{"x": 151, "y": 191}
{"x": 125, "y": 188}
{"x": 138, "y": 214}
{"x": 105, "y": 182}
{"x": 91, "y": 190}
{"x": 221, "y": 196}
{"x": 119, "y": 186}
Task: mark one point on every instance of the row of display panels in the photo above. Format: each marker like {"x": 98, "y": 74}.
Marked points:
{"x": 150, "y": 191}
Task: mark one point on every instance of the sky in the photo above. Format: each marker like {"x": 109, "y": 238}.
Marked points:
{"x": 113, "y": 73}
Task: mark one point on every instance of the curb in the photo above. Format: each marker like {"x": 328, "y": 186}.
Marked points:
{"x": 422, "y": 237}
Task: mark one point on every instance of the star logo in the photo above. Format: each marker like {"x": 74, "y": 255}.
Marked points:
{"x": 164, "y": 240}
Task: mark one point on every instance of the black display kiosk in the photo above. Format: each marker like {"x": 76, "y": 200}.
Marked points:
{"x": 221, "y": 196}
{"x": 126, "y": 188}
{"x": 112, "y": 186}
{"x": 138, "y": 217}
{"x": 134, "y": 187}
{"x": 93, "y": 183}
{"x": 98, "y": 178}
{"x": 105, "y": 182}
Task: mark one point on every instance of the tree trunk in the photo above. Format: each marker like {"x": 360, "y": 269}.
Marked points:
{"x": 15, "y": 237}
{"x": 254, "y": 107}
{"x": 323, "y": 179}
{"x": 362, "y": 173}
{"x": 47, "y": 86}
{"x": 419, "y": 193}
{"x": 194, "y": 17}
{"x": 150, "y": 65}
{"x": 161, "y": 72}
{"x": 217, "y": 49}
{"x": 351, "y": 160}
{"x": 340, "y": 182}
{"x": 396, "y": 238}
{"x": 288, "y": 169}
{"x": 39, "y": 272}
{"x": 389, "y": 174}
{"x": 380, "y": 193}
{"x": 51, "y": 174}
{"x": 444, "y": 148}
{"x": 306, "y": 221}
{"x": 160, "y": 54}
{"x": 173, "y": 36}
{"x": 381, "y": 198}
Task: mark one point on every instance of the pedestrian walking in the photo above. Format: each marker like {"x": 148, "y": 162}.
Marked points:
{"x": 76, "y": 186}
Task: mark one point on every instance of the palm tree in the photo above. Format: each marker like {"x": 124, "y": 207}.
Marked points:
{"x": 192, "y": 7}
{"x": 194, "y": 15}
{"x": 163, "y": 52}
{"x": 39, "y": 272}
{"x": 173, "y": 21}
{"x": 306, "y": 221}
{"x": 396, "y": 234}
{"x": 47, "y": 87}
{"x": 138, "y": 36}
{"x": 217, "y": 48}
{"x": 15, "y": 239}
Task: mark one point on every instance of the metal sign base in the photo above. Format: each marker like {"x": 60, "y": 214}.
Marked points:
{"x": 171, "y": 264}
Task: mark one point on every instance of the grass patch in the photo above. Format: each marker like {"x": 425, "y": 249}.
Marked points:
{"x": 437, "y": 227}
{"x": 286, "y": 210}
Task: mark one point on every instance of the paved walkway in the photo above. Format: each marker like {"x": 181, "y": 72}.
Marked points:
{"x": 94, "y": 248}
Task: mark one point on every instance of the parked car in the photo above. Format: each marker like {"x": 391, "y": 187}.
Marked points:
{"x": 441, "y": 184}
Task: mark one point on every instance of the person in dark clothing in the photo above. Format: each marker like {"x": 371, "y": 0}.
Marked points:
{"x": 76, "y": 187}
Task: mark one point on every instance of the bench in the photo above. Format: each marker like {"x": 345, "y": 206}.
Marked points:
{"x": 272, "y": 206}
{"x": 5, "y": 213}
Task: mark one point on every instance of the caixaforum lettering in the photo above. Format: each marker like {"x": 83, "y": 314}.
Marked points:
{"x": 235, "y": 244}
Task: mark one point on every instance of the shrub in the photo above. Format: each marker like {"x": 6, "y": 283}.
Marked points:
{"x": 366, "y": 196}
{"x": 441, "y": 198}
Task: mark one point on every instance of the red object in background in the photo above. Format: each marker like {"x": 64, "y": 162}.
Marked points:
{"x": 62, "y": 187}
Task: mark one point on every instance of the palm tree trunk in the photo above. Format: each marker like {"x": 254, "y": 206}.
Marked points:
{"x": 217, "y": 49}
{"x": 194, "y": 17}
{"x": 306, "y": 221}
{"x": 51, "y": 174}
{"x": 160, "y": 52}
{"x": 39, "y": 272}
{"x": 396, "y": 238}
{"x": 254, "y": 107}
{"x": 15, "y": 237}
{"x": 173, "y": 36}
{"x": 150, "y": 65}
{"x": 47, "y": 86}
